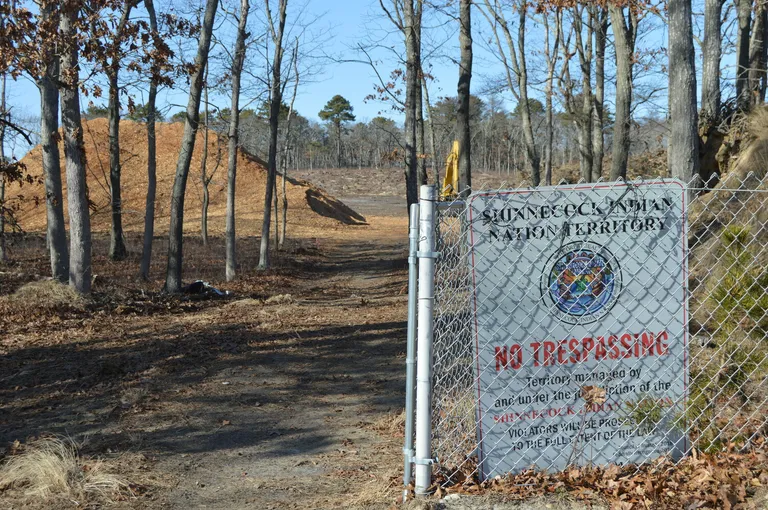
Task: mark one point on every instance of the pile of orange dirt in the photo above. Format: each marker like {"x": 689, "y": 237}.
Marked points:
{"x": 309, "y": 208}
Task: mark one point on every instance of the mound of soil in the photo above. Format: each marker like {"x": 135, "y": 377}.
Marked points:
{"x": 308, "y": 207}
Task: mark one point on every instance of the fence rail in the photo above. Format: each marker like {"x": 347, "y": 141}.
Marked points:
{"x": 593, "y": 324}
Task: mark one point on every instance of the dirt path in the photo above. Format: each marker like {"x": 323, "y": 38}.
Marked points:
{"x": 303, "y": 410}
{"x": 287, "y": 398}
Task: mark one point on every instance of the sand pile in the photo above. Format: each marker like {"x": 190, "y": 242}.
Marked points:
{"x": 308, "y": 207}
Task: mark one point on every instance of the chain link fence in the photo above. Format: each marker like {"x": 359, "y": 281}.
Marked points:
{"x": 598, "y": 323}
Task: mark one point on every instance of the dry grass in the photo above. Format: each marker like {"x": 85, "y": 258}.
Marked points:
{"x": 382, "y": 487}
{"x": 51, "y": 468}
{"x": 279, "y": 299}
{"x": 392, "y": 424}
{"x": 46, "y": 295}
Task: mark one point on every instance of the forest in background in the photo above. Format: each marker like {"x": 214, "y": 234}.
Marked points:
{"x": 539, "y": 85}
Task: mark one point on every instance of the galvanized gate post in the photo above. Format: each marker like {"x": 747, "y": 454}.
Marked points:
{"x": 426, "y": 298}
{"x": 410, "y": 356}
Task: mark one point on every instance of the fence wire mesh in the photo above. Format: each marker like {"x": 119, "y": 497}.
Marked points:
{"x": 680, "y": 363}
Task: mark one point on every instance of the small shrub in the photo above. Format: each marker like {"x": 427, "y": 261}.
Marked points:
{"x": 741, "y": 362}
{"x": 647, "y": 412}
{"x": 700, "y": 410}
{"x": 738, "y": 296}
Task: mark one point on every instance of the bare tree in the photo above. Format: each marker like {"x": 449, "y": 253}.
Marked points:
{"x": 463, "y": 91}
{"x": 234, "y": 126}
{"x": 287, "y": 145}
{"x": 411, "y": 26}
{"x": 406, "y": 16}
{"x": 624, "y": 34}
{"x": 431, "y": 126}
{"x": 46, "y": 80}
{"x": 117, "y": 250}
{"x": 149, "y": 214}
{"x": 550, "y": 55}
{"x": 757, "y": 57}
{"x": 419, "y": 108}
{"x": 744, "y": 11}
{"x": 516, "y": 65}
{"x": 4, "y": 116}
{"x": 205, "y": 179}
{"x": 77, "y": 193}
{"x": 276, "y": 31}
{"x": 683, "y": 152}
{"x": 584, "y": 116}
{"x": 192, "y": 120}
{"x": 599, "y": 17}
{"x": 711, "y": 52}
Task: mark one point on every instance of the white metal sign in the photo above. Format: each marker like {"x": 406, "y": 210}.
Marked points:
{"x": 580, "y": 326}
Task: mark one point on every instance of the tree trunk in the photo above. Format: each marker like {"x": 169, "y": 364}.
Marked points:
{"x": 176, "y": 232}
{"x": 420, "y": 140}
{"x": 600, "y": 19}
{"x": 419, "y": 102}
{"x": 4, "y": 116}
{"x": 338, "y": 144}
{"x": 531, "y": 153}
{"x": 277, "y": 217}
{"x": 744, "y": 11}
{"x": 234, "y": 125}
{"x": 284, "y": 221}
{"x": 432, "y": 140}
{"x": 149, "y": 208}
{"x": 550, "y": 54}
{"x": 757, "y": 49}
{"x": 623, "y": 35}
{"x": 683, "y": 152}
{"x": 584, "y": 117}
{"x": 463, "y": 90}
{"x": 585, "y": 139}
{"x": 204, "y": 164}
{"x": 274, "y": 120}
{"x": 711, "y": 51}
{"x": 411, "y": 82}
{"x": 77, "y": 192}
{"x": 117, "y": 250}
{"x": 49, "y": 142}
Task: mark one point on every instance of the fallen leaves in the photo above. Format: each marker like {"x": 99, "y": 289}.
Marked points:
{"x": 727, "y": 480}
{"x": 593, "y": 395}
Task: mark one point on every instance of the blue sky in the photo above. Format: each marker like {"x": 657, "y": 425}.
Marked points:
{"x": 345, "y": 24}
{"x": 342, "y": 24}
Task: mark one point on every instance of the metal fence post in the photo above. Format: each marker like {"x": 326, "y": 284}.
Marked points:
{"x": 410, "y": 359}
{"x": 426, "y": 297}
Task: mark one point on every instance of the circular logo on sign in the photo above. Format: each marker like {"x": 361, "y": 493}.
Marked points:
{"x": 582, "y": 281}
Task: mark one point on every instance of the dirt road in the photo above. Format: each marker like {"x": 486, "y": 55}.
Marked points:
{"x": 304, "y": 407}
{"x": 287, "y": 396}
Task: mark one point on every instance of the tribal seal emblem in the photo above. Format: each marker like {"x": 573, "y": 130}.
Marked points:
{"x": 581, "y": 282}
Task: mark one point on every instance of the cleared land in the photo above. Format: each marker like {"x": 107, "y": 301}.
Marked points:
{"x": 288, "y": 394}
{"x": 285, "y": 396}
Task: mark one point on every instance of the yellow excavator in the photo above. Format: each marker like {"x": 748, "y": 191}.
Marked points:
{"x": 451, "y": 179}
